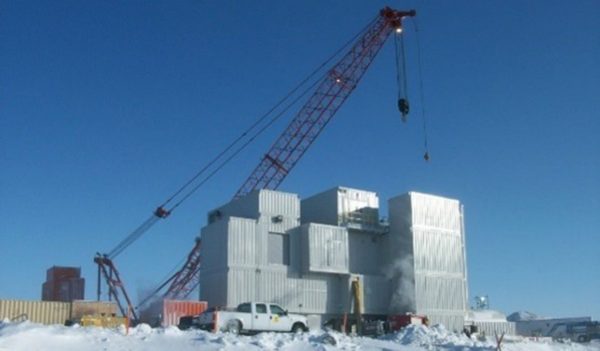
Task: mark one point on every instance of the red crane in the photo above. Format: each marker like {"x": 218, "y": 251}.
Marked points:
{"x": 330, "y": 94}
{"x": 312, "y": 118}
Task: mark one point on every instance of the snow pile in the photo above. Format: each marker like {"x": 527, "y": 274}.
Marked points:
{"x": 437, "y": 335}
{"x": 28, "y": 336}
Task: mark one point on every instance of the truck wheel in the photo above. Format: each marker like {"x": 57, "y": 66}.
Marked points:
{"x": 298, "y": 328}
{"x": 233, "y": 327}
{"x": 582, "y": 338}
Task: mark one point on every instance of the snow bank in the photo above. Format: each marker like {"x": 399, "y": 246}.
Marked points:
{"x": 28, "y": 336}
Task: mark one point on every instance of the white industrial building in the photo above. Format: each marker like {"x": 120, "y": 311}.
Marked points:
{"x": 304, "y": 254}
{"x": 490, "y": 322}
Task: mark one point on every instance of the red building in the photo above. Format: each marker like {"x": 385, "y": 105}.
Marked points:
{"x": 63, "y": 284}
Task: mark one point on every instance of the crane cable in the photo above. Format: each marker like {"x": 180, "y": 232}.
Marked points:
{"x": 161, "y": 212}
{"x": 401, "y": 78}
{"x": 421, "y": 90}
{"x": 256, "y": 124}
{"x": 244, "y": 145}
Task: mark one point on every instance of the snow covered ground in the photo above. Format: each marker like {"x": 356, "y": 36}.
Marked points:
{"x": 32, "y": 337}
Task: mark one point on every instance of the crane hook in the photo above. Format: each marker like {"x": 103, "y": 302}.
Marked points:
{"x": 404, "y": 108}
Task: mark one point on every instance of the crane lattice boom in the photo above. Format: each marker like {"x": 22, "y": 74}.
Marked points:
{"x": 329, "y": 96}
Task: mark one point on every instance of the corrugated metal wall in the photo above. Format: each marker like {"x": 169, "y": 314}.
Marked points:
{"x": 432, "y": 227}
{"x": 429, "y": 244}
{"x": 341, "y": 205}
{"x": 241, "y": 242}
{"x": 440, "y": 281}
{"x": 491, "y": 328}
{"x": 298, "y": 294}
{"x": 214, "y": 246}
{"x": 46, "y": 312}
{"x": 214, "y": 287}
{"x": 356, "y": 205}
{"x": 275, "y": 203}
{"x": 320, "y": 208}
{"x": 438, "y": 293}
{"x": 366, "y": 252}
{"x": 261, "y": 203}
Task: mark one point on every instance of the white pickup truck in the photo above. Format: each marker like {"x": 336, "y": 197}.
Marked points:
{"x": 251, "y": 317}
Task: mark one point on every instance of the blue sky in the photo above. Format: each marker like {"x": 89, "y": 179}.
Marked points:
{"x": 107, "y": 107}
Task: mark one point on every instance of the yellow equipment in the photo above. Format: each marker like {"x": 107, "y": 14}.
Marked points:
{"x": 357, "y": 295}
{"x": 102, "y": 320}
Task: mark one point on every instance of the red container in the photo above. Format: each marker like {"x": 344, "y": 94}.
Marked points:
{"x": 165, "y": 312}
{"x": 400, "y": 321}
{"x": 175, "y": 309}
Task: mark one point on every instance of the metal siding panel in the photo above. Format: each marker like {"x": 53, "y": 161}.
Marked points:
{"x": 400, "y": 255}
{"x": 45, "y": 312}
{"x": 278, "y": 249}
{"x": 241, "y": 242}
{"x": 279, "y": 203}
{"x": 262, "y": 236}
{"x": 365, "y": 252}
{"x": 439, "y": 259}
{"x": 321, "y": 208}
{"x": 434, "y": 232}
{"x": 335, "y": 206}
{"x": 280, "y": 288}
{"x": 214, "y": 246}
{"x": 327, "y": 248}
{"x": 350, "y": 200}
{"x": 214, "y": 287}
{"x": 314, "y": 294}
{"x": 491, "y": 328}
{"x": 242, "y": 286}
{"x": 296, "y": 250}
{"x": 286, "y": 224}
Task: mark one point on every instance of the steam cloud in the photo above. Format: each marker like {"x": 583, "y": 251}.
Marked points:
{"x": 401, "y": 272}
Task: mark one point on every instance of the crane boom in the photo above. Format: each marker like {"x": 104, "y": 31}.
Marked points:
{"x": 186, "y": 279}
{"x": 302, "y": 131}
{"x": 329, "y": 96}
